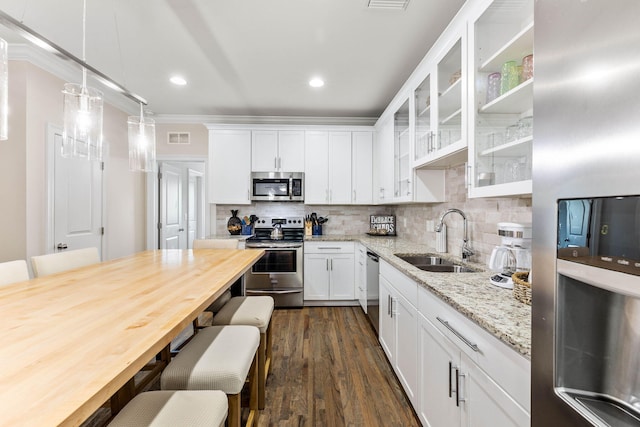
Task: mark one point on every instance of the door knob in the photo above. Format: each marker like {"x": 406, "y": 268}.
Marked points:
{"x": 61, "y": 246}
{"x": 180, "y": 229}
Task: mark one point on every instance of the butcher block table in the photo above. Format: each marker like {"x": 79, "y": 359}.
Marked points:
{"x": 72, "y": 340}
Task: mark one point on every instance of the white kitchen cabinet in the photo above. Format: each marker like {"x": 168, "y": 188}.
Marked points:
{"x": 230, "y": 166}
{"x": 383, "y": 161}
{"x": 501, "y": 126}
{"x": 329, "y": 271}
{"x": 402, "y": 170}
{"x": 328, "y": 167}
{"x": 277, "y": 151}
{"x": 399, "y": 316}
{"x": 361, "y": 275}
{"x": 489, "y": 382}
{"x": 362, "y": 168}
{"x": 439, "y": 357}
{"x": 439, "y": 117}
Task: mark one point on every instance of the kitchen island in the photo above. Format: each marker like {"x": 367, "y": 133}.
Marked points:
{"x": 72, "y": 340}
{"x": 493, "y": 308}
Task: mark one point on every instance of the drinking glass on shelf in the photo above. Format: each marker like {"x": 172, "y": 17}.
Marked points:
{"x": 527, "y": 67}
{"x": 513, "y": 170}
{"x": 493, "y": 86}
{"x": 509, "y": 77}
{"x": 525, "y": 127}
{"x": 511, "y": 134}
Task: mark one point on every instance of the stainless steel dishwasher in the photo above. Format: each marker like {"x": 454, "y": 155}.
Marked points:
{"x": 373, "y": 289}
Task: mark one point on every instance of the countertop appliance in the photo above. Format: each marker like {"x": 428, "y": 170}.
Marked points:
{"x": 279, "y": 273}
{"x": 585, "y": 345}
{"x": 373, "y": 289}
{"x": 277, "y": 186}
{"x": 513, "y": 254}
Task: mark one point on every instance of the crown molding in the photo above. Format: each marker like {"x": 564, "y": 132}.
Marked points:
{"x": 69, "y": 72}
{"x": 264, "y": 120}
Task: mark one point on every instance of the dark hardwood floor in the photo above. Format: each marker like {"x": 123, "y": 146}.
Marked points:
{"x": 329, "y": 370}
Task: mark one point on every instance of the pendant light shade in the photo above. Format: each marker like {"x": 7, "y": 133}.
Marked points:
{"x": 142, "y": 143}
{"x": 4, "y": 91}
{"x": 82, "y": 132}
{"x": 82, "y": 109}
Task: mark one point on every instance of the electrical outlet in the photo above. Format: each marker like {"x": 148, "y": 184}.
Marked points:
{"x": 431, "y": 225}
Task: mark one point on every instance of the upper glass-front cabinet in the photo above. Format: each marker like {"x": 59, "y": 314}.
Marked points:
{"x": 501, "y": 99}
{"x": 439, "y": 114}
{"x": 402, "y": 153}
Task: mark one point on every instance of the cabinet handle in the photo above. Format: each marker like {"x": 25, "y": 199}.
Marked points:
{"x": 275, "y": 163}
{"x": 327, "y": 264}
{"x": 389, "y": 305}
{"x": 329, "y": 247}
{"x": 331, "y": 264}
{"x": 280, "y": 163}
{"x": 450, "y": 385}
{"x": 464, "y": 339}
{"x": 467, "y": 175}
{"x": 458, "y": 398}
{"x": 248, "y": 194}
{"x": 354, "y": 195}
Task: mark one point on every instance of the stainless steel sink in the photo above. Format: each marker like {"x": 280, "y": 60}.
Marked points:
{"x": 434, "y": 263}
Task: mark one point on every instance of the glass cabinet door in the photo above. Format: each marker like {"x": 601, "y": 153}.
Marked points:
{"x": 450, "y": 97}
{"x": 402, "y": 154}
{"x": 424, "y": 133}
{"x": 502, "y": 100}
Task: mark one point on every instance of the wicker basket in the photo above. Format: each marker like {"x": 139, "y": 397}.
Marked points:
{"x": 522, "y": 288}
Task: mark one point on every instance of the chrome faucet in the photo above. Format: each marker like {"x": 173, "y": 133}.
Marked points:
{"x": 466, "y": 249}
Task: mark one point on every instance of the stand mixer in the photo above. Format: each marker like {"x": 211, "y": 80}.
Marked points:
{"x": 513, "y": 254}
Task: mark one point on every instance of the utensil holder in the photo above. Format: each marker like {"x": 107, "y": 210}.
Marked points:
{"x": 317, "y": 230}
{"x": 247, "y": 230}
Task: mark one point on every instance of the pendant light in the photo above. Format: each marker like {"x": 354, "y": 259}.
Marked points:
{"x": 82, "y": 109}
{"x": 4, "y": 91}
{"x": 142, "y": 142}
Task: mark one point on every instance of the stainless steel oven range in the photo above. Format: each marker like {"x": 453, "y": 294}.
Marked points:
{"x": 279, "y": 272}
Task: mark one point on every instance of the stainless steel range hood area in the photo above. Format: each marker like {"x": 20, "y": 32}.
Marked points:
{"x": 587, "y": 145}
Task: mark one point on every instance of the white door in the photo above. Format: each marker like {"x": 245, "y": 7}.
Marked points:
{"x": 316, "y": 277}
{"x": 230, "y": 167}
{"x": 342, "y": 280}
{"x": 406, "y": 317}
{"x": 291, "y": 150}
{"x": 362, "y": 163}
{"x": 172, "y": 225}
{"x": 387, "y": 332}
{"x": 194, "y": 206}
{"x": 77, "y": 201}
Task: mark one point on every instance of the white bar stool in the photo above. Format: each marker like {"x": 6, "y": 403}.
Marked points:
{"x": 13, "y": 271}
{"x": 255, "y": 311}
{"x": 206, "y": 408}
{"x": 219, "y": 358}
{"x": 43, "y": 265}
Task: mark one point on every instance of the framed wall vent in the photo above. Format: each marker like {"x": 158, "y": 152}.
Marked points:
{"x": 178, "y": 138}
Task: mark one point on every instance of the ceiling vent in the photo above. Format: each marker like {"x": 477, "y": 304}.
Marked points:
{"x": 388, "y": 4}
{"x": 179, "y": 138}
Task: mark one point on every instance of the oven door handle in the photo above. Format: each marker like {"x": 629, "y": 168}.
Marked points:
{"x": 273, "y": 291}
{"x": 272, "y": 247}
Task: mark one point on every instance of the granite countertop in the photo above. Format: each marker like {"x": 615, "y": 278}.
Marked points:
{"x": 493, "y": 308}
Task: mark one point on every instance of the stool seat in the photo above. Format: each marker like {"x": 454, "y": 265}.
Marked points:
{"x": 206, "y": 408}
{"x": 254, "y": 310}
{"x": 217, "y": 358}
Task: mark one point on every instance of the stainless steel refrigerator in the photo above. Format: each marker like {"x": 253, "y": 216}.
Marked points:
{"x": 586, "y": 222}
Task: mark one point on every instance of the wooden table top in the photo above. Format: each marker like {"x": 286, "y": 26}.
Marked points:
{"x": 71, "y": 340}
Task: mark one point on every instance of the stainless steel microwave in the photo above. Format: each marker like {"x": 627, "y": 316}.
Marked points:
{"x": 277, "y": 186}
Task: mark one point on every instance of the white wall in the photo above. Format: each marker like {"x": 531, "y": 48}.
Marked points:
{"x": 35, "y": 100}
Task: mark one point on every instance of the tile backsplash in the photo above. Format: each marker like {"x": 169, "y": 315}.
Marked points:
{"x": 483, "y": 215}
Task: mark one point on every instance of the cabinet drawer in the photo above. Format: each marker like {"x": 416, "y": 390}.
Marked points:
{"x": 328, "y": 247}
{"x": 405, "y": 286}
{"x": 505, "y": 366}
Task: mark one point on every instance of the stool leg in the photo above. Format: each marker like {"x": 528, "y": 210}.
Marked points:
{"x": 269, "y": 350}
{"x": 234, "y": 417}
{"x": 253, "y": 396}
{"x": 262, "y": 370}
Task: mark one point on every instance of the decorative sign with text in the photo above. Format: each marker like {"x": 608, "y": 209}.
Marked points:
{"x": 382, "y": 225}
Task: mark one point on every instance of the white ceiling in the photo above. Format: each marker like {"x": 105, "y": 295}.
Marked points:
{"x": 246, "y": 57}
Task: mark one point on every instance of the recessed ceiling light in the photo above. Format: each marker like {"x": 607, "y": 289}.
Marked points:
{"x": 316, "y": 82}
{"x": 178, "y": 80}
